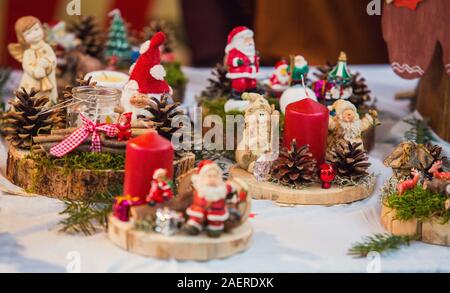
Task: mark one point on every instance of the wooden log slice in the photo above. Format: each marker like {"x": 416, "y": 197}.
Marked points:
{"x": 431, "y": 231}
{"x": 75, "y": 184}
{"x": 312, "y": 195}
{"x": 180, "y": 247}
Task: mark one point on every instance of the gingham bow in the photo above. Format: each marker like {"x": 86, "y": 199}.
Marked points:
{"x": 81, "y": 134}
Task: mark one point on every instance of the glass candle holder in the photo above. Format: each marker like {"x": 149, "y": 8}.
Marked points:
{"x": 95, "y": 103}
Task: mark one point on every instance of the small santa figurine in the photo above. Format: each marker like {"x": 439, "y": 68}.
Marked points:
{"x": 160, "y": 190}
{"x": 146, "y": 78}
{"x": 279, "y": 81}
{"x": 347, "y": 125}
{"x": 242, "y": 62}
{"x": 211, "y": 195}
{"x": 124, "y": 126}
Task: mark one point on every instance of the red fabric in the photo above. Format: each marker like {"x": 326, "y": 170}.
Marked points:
{"x": 411, "y": 4}
{"x": 159, "y": 192}
{"x": 80, "y": 135}
{"x": 141, "y": 71}
{"x": 18, "y": 8}
{"x": 134, "y": 11}
{"x": 248, "y": 69}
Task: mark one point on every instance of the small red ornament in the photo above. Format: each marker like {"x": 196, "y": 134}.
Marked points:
{"x": 327, "y": 175}
{"x": 124, "y": 127}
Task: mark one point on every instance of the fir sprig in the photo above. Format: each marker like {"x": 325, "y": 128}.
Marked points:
{"x": 90, "y": 215}
{"x": 420, "y": 131}
{"x": 380, "y": 243}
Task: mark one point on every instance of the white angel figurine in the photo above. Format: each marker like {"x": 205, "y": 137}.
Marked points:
{"x": 37, "y": 57}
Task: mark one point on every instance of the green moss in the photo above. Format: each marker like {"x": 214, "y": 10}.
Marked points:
{"x": 174, "y": 75}
{"x": 84, "y": 161}
{"x": 418, "y": 204}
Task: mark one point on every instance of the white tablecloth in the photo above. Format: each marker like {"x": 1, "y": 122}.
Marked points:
{"x": 286, "y": 239}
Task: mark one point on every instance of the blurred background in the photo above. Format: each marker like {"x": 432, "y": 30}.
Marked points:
{"x": 317, "y": 29}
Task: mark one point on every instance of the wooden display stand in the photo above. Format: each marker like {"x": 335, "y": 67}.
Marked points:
{"x": 180, "y": 247}
{"x": 430, "y": 231}
{"x": 313, "y": 195}
{"x": 77, "y": 184}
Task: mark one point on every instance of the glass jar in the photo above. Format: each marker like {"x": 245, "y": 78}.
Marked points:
{"x": 95, "y": 103}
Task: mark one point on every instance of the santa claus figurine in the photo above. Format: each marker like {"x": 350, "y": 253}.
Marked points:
{"x": 211, "y": 195}
{"x": 279, "y": 81}
{"x": 146, "y": 78}
{"x": 124, "y": 127}
{"x": 242, "y": 62}
{"x": 160, "y": 190}
{"x": 346, "y": 124}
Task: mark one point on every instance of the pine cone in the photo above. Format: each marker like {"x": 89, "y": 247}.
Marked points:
{"x": 27, "y": 118}
{"x": 219, "y": 84}
{"x": 159, "y": 26}
{"x": 88, "y": 31}
{"x": 162, "y": 113}
{"x": 295, "y": 166}
{"x": 349, "y": 160}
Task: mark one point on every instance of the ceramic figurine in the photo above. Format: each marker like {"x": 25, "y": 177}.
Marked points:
{"x": 340, "y": 78}
{"x": 279, "y": 80}
{"x": 37, "y": 57}
{"x": 347, "y": 125}
{"x": 124, "y": 127}
{"x": 409, "y": 184}
{"x": 160, "y": 190}
{"x": 146, "y": 78}
{"x": 298, "y": 70}
{"x": 209, "y": 209}
{"x": 242, "y": 62}
{"x": 261, "y": 123}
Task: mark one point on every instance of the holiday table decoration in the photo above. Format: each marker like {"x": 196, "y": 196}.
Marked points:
{"x": 117, "y": 45}
{"x": 416, "y": 201}
{"x": 37, "y": 57}
{"x": 108, "y": 78}
{"x": 207, "y": 219}
{"x": 418, "y": 46}
{"x": 279, "y": 80}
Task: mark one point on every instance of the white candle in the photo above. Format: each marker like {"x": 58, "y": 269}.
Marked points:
{"x": 108, "y": 78}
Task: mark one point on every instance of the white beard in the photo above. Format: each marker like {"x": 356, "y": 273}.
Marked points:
{"x": 210, "y": 193}
{"x": 284, "y": 79}
{"x": 351, "y": 130}
{"x": 249, "y": 51}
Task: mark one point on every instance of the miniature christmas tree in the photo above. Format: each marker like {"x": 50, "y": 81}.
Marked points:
{"x": 349, "y": 160}
{"x": 28, "y": 118}
{"x": 117, "y": 44}
{"x": 295, "y": 166}
{"x": 87, "y": 30}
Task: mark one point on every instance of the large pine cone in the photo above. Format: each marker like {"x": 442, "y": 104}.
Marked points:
{"x": 349, "y": 160}
{"x": 89, "y": 32}
{"x": 295, "y": 166}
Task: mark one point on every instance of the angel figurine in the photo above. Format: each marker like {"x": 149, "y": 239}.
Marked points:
{"x": 37, "y": 57}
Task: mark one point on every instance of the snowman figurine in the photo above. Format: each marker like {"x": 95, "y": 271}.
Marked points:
{"x": 146, "y": 78}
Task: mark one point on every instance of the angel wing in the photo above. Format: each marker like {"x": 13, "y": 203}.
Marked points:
{"x": 16, "y": 50}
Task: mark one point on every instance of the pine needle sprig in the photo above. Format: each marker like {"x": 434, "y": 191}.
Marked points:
{"x": 90, "y": 215}
{"x": 420, "y": 131}
{"x": 380, "y": 243}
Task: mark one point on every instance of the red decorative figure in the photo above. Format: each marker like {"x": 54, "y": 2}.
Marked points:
{"x": 327, "y": 175}
{"x": 160, "y": 190}
{"x": 241, "y": 60}
{"x": 124, "y": 127}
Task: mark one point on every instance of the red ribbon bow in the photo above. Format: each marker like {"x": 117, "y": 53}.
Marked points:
{"x": 81, "y": 134}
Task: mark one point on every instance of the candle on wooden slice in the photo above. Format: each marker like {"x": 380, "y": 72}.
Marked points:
{"x": 144, "y": 155}
{"x": 307, "y": 122}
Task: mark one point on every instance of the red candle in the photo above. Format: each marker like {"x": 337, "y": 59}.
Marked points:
{"x": 144, "y": 155}
{"x": 307, "y": 122}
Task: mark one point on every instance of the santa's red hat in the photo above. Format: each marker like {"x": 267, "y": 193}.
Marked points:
{"x": 147, "y": 74}
{"x": 281, "y": 63}
{"x": 237, "y": 33}
{"x": 206, "y": 165}
{"x": 128, "y": 116}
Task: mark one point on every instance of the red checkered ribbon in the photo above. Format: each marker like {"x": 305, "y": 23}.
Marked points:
{"x": 81, "y": 134}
